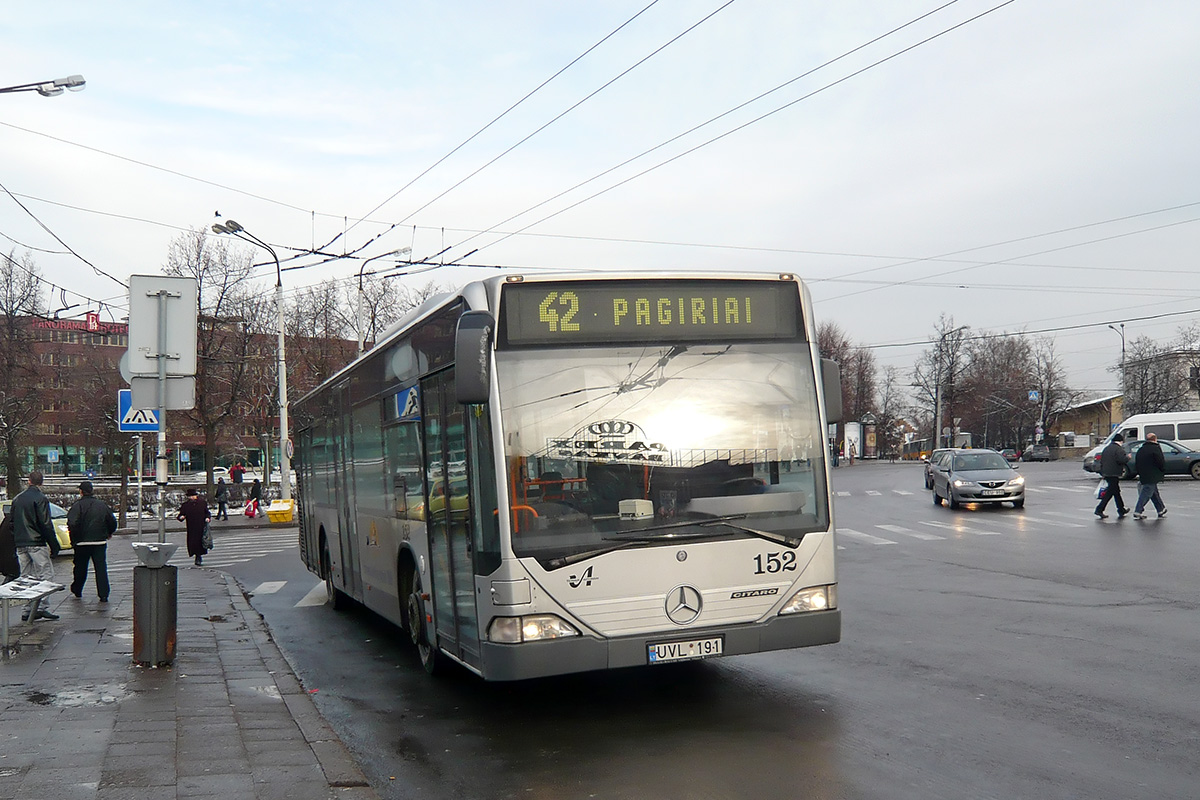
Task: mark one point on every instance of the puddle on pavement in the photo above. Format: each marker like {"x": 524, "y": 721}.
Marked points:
{"x": 105, "y": 694}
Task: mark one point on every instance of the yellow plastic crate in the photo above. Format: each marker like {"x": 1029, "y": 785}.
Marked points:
{"x": 280, "y": 510}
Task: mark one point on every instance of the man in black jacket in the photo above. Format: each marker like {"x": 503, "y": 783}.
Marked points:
{"x": 1113, "y": 459}
{"x": 1151, "y": 469}
{"x": 91, "y": 523}
{"x": 34, "y": 535}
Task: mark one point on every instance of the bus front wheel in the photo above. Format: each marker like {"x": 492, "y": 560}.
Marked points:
{"x": 417, "y": 628}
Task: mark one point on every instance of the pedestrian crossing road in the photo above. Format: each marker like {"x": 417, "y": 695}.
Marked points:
{"x": 229, "y": 547}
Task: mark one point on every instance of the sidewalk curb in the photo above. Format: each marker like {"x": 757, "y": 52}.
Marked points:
{"x": 339, "y": 767}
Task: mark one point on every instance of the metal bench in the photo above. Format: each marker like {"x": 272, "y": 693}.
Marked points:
{"x": 23, "y": 589}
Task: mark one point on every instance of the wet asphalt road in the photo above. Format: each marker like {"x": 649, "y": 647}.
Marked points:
{"x": 986, "y": 653}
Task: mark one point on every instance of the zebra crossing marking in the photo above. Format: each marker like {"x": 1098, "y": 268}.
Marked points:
{"x": 960, "y": 528}
{"x": 269, "y": 587}
{"x": 929, "y": 537}
{"x": 315, "y": 597}
{"x": 866, "y": 537}
{"x": 900, "y": 492}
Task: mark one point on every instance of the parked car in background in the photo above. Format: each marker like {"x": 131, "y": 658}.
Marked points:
{"x": 1180, "y": 460}
{"x": 58, "y": 516}
{"x": 1036, "y": 452}
{"x": 929, "y": 465}
{"x": 1010, "y": 454}
{"x": 977, "y": 476}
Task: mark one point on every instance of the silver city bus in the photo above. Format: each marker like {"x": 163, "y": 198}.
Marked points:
{"x": 547, "y": 474}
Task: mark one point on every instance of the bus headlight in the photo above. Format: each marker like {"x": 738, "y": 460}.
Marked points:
{"x": 533, "y": 628}
{"x": 814, "y": 598}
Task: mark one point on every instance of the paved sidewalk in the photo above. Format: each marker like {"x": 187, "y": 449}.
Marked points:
{"x": 228, "y": 719}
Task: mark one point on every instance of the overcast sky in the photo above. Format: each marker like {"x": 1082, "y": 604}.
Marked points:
{"x": 1033, "y": 168}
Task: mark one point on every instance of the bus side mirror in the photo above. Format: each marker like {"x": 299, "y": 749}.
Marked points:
{"x": 472, "y": 356}
{"x": 831, "y": 383}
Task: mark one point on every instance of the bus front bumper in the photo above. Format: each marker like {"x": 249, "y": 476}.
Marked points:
{"x": 508, "y": 662}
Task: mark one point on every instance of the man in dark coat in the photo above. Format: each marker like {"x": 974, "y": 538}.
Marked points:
{"x": 1151, "y": 469}
{"x": 1113, "y": 459}
{"x": 91, "y": 523}
{"x": 34, "y": 535}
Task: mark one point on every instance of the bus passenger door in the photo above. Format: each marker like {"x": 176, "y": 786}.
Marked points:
{"x": 343, "y": 477}
{"x": 449, "y": 519}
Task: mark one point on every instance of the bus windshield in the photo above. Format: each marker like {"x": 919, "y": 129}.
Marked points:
{"x": 641, "y": 445}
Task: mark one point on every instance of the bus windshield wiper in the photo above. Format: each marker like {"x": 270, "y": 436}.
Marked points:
{"x": 621, "y": 542}
{"x": 790, "y": 541}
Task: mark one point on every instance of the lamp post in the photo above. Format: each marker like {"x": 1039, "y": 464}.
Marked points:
{"x": 74, "y": 83}
{"x": 1122, "y": 332}
{"x": 285, "y": 456}
{"x": 359, "y": 314}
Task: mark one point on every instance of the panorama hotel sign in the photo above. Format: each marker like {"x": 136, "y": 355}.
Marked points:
{"x": 89, "y": 324}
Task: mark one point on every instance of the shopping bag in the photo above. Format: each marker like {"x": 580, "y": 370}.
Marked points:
{"x": 251, "y": 508}
{"x": 206, "y": 539}
{"x": 1100, "y": 487}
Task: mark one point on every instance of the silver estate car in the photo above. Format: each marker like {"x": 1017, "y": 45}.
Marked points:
{"x": 977, "y": 476}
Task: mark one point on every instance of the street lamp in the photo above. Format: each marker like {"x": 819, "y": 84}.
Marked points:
{"x": 285, "y": 456}
{"x": 359, "y": 315}
{"x": 1122, "y": 332}
{"x": 74, "y": 83}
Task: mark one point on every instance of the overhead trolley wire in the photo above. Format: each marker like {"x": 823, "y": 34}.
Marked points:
{"x": 706, "y": 123}
{"x": 503, "y": 114}
{"x": 56, "y": 237}
{"x": 587, "y": 97}
{"x": 756, "y": 120}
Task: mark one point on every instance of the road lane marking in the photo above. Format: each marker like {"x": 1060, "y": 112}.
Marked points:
{"x": 900, "y": 491}
{"x": 1069, "y": 489}
{"x": 866, "y": 537}
{"x": 269, "y": 587}
{"x": 909, "y": 532}
{"x": 874, "y": 493}
{"x": 843, "y": 494}
{"x": 960, "y": 528}
{"x": 315, "y": 597}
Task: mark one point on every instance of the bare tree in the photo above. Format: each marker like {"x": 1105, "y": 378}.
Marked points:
{"x": 20, "y": 398}
{"x": 1153, "y": 379}
{"x": 937, "y": 372}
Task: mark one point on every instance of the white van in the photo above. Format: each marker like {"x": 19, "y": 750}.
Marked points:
{"x": 1178, "y": 426}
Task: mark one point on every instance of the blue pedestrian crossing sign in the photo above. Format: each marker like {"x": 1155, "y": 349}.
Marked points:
{"x": 134, "y": 420}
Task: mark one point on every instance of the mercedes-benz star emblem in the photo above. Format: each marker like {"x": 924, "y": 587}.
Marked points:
{"x": 684, "y": 604}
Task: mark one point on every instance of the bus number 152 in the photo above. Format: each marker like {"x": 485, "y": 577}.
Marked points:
{"x": 775, "y": 562}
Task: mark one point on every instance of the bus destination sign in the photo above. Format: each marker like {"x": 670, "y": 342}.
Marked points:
{"x": 606, "y": 312}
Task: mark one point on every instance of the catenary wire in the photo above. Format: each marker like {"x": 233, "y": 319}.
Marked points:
{"x": 570, "y": 109}
{"x": 758, "y": 119}
{"x": 503, "y": 114}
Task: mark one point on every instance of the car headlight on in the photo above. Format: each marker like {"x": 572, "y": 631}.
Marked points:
{"x": 959, "y": 483}
{"x": 1017, "y": 481}
{"x": 814, "y": 598}
{"x": 532, "y": 628}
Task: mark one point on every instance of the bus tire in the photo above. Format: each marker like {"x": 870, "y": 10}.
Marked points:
{"x": 334, "y": 595}
{"x": 416, "y": 622}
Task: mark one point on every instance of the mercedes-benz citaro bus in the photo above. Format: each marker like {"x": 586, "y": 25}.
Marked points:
{"x": 546, "y": 474}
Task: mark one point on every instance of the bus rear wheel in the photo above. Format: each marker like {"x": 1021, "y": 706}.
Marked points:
{"x": 334, "y": 595}
{"x": 417, "y": 628}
